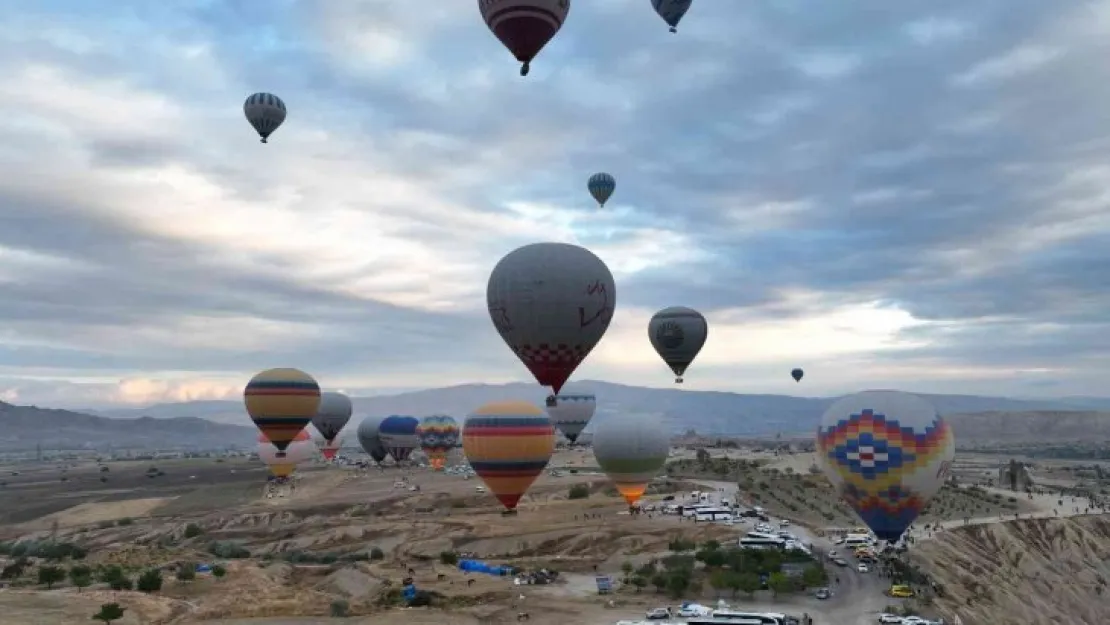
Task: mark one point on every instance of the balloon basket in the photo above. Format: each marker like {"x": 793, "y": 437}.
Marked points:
{"x": 678, "y": 380}
{"x": 508, "y": 512}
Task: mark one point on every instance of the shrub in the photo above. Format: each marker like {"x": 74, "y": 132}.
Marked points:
{"x": 109, "y": 612}
{"x": 228, "y": 549}
{"x": 150, "y": 581}
{"x": 340, "y": 608}
{"x": 50, "y": 575}
{"x": 377, "y": 554}
{"x": 187, "y": 572}
{"x": 449, "y": 558}
{"x": 193, "y": 530}
{"x": 578, "y": 491}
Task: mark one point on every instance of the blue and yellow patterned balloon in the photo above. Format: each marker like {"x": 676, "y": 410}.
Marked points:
{"x": 601, "y": 186}
{"x": 887, "y": 453}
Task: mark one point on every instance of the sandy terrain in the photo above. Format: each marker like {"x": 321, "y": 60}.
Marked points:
{"x": 309, "y": 543}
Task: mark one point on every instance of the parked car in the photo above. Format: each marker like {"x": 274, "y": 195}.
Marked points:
{"x": 840, "y": 562}
{"x": 863, "y": 568}
{"x": 658, "y": 614}
{"x": 822, "y": 593}
{"x": 890, "y": 618}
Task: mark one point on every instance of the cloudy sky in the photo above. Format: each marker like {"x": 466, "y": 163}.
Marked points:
{"x": 901, "y": 194}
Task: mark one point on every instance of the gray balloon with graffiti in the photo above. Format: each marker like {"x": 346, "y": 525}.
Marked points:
{"x": 551, "y": 303}
{"x": 678, "y": 334}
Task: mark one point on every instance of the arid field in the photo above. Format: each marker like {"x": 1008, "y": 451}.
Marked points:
{"x": 342, "y": 539}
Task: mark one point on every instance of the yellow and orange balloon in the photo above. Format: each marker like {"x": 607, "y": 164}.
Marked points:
{"x": 508, "y": 444}
{"x": 281, "y": 402}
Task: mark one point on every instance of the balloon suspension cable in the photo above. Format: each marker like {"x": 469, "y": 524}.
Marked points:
{"x": 524, "y": 69}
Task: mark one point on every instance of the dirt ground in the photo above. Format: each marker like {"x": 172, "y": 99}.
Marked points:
{"x": 309, "y": 546}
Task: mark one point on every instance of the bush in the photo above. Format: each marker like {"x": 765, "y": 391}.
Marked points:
{"x": 340, "y": 608}
{"x": 186, "y": 572}
{"x": 80, "y": 576}
{"x": 218, "y": 571}
{"x": 150, "y": 581}
{"x": 377, "y": 554}
{"x": 109, "y": 612}
{"x": 193, "y": 530}
{"x": 578, "y": 491}
{"x": 449, "y": 558}
{"x": 228, "y": 549}
{"x": 121, "y": 583}
{"x": 125, "y": 521}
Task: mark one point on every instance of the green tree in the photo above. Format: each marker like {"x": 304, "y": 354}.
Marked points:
{"x": 15, "y": 569}
{"x": 678, "y": 581}
{"x": 719, "y": 579}
{"x": 193, "y": 530}
{"x": 450, "y": 558}
{"x": 815, "y": 576}
{"x": 80, "y": 576}
{"x": 150, "y": 581}
{"x": 627, "y": 568}
{"x": 748, "y": 583}
{"x": 340, "y": 608}
{"x": 186, "y": 572}
{"x": 109, "y": 612}
{"x": 50, "y": 575}
{"x": 109, "y": 573}
{"x": 659, "y": 580}
{"x": 218, "y": 571}
{"x": 779, "y": 583}
{"x": 640, "y": 582}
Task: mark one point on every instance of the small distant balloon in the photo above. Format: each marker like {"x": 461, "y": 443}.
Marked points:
{"x": 671, "y": 11}
{"x": 524, "y": 26}
{"x": 678, "y": 334}
{"x": 266, "y": 112}
{"x": 797, "y": 374}
{"x": 601, "y": 186}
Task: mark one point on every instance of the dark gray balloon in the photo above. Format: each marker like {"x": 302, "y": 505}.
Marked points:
{"x": 334, "y": 413}
{"x": 678, "y": 334}
{"x": 369, "y": 439}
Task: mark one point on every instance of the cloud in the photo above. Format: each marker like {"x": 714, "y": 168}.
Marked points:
{"x": 908, "y": 195}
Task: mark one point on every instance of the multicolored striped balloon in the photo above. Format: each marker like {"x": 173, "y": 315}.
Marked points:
{"x": 398, "y": 435}
{"x": 281, "y": 402}
{"x": 438, "y": 435}
{"x": 508, "y": 444}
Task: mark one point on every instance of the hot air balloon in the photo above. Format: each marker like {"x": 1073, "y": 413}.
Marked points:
{"x": 887, "y": 453}
{"x": 552, "y": 303}
{"x": 266, "y": 112}
{"x": 508, "y": 444}
{"x": 678, "y": 334}
{"x": 524, "y": 26}
{"x": 328, "y": 449}
{"x": 398, "y": 436}
{"x": 571, "y": 413}
{"x": 601, "y": 186}
{"x": 368, "y": 437}
{"x": 631, "y": 450}
{"x": 797, "y": 374}
{"x": 671, "y": 11}
{"x": 333, "y": 413}
{"x": 438, "y": 435}
{"x": 299, "y": 451}
{"x": 281, "y": 402}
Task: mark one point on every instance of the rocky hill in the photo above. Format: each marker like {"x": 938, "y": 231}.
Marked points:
{"x": 1041, "y": 426}
{"x": 24, "y": 427}
{"x": 1033, "y": 572}
{"x": 708, "y": 412}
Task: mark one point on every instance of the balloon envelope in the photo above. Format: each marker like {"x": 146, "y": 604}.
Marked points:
{"x": 631, "y": 450}
{"x": 671, "y": 11}
{"x": 601, "y": 187}
{"x": 508, "y": 444}
{"x": 332, "y": 414}
{"x": 524, "y": 26}
{"x": 281, "y": 402}
{"x": 571, "y": 413}
{"x": 438, "y": 435}
{"x": 551, "y": 303}
{"x": 369, "y": 439}
{"x": 797, "y": 374}
{"x": 398, "y": 436}
{"x": 887, "y": 453}
{"x": 678, "y": 334}
{"x": 300, "y": 450}
{"x": 265, "y": 112}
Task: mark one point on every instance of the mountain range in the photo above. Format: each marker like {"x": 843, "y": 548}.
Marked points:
{"x": 218, "y": 424}
{"x": 708, "y": 412}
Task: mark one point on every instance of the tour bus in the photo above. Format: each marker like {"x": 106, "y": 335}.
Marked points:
{"x": 729, "y": 617}
{"x": 857, "y": 540}
{"x": 693, "y": 510}
{"x": 713, "y": 514}
{"x": 757, "y": 540}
